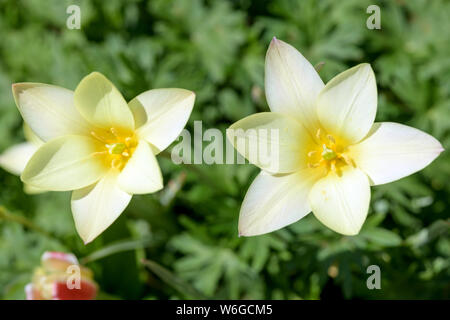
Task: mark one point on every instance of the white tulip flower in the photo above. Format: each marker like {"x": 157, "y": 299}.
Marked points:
{"x": 330, "y": 151}
{"x": 97, "y": 145}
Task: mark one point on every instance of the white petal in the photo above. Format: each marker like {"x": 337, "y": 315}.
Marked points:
{"x": 161, "y": 114}
{"x": 15, "y": 158}
{"x": 30, "y": 136}
{"x": 100, "y": 103}
{"x": 65, "y": 163}
{"x": 342, "y": 202}
{"x": 96, "y": 207}
{"x": 292, "y": 84}
{"x": 49, "y": 110}
{"x": 392, "y": 151}
{"x": 273, "y": 141}
{"x": 273, "y": 202}
{"x": 141, "y": 174}
{"x": 347, "y": 105}
{"x": 32, "y": 190}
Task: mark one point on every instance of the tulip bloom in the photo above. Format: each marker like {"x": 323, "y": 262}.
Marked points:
{"x": 53, "y": 279}
{"x": 97, "y": 145}
{"x": 329, "y": 150}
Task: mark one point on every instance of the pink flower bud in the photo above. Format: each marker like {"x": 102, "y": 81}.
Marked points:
{"x": 61, "y": 277}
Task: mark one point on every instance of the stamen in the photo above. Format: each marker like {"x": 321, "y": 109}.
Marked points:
{"x": 117, "y": 148}
{"x": 99, "y": 153}
{"x": 115, "y": 163}
{"x": 114, "y": 132}
{"x": 330, "y": 137}
{"x": 333, "y": 166}
{"x": 332, "y": 157}
{"x": 347, "y": 159}
{"x": 98, "y": 137}
{"x": 318, "y": 134}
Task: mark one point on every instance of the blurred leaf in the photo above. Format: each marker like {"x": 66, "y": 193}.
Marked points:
{"x": 173, "y": 280}
{"x": 381, "y": 237}
{"x": 116, "y": 247}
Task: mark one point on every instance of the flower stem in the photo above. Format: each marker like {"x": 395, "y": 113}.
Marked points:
{"x": 173, "y": 280}
{"x": 5, "y": 214}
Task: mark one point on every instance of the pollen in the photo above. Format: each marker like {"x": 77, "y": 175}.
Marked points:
{"x": 329, "y": 153}
{"x": 118, "y": 146}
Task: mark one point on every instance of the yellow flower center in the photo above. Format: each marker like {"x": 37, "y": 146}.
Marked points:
{"x": 329, "y": 153}
{"x": 119, "y": 146}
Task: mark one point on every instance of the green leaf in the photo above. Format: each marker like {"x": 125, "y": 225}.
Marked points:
{"x": 382, "y": 237}
{"x": 116, "y": 247}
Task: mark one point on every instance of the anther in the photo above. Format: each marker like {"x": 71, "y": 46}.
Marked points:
{"x": 318, "y": 134}
{"x": 333, "y": 166}
{"x": 347, "y": 159}
{"x": 115, "y": 163}
{"x": 96, "y": 136}
{"x": 330, "y": 137}
{"x": 99, "y": 153}
{"x": 311, "y": 153}
{"x": 114, "y": 131}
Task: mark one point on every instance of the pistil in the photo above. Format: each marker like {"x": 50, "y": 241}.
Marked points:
{"x": 118, "y": 146}
{"x": 327, "y": 153}
{"x": 330, "y": 154}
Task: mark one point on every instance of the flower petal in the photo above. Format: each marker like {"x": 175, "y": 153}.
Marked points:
{"x": 32, "y": 190}
{"x": 273, "y": 202}
{"x": 347, "y": 105}
{"x": 32, "y": 293}
{"x": 341, "y": 202}
{"x": 161, "y": 114}
{"x": 53, "y": 259}
{"x": 96, "y": 207}
{"x": 100, "y": 103}
{"x": 65, "y": 163}
{"x": 141, "y": 173}
{"x": 15, "y": 158}
{"x": 49, "y": 110}
{"x": 392, "y": 151}
{"x": 87, "y": 291}
{"x": 272, "y": 141}
{"x": 292, "y": 84}
{"x": 30, "y": 136}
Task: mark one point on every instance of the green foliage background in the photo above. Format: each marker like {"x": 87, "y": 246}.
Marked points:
{"x": 189, "y": 230}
